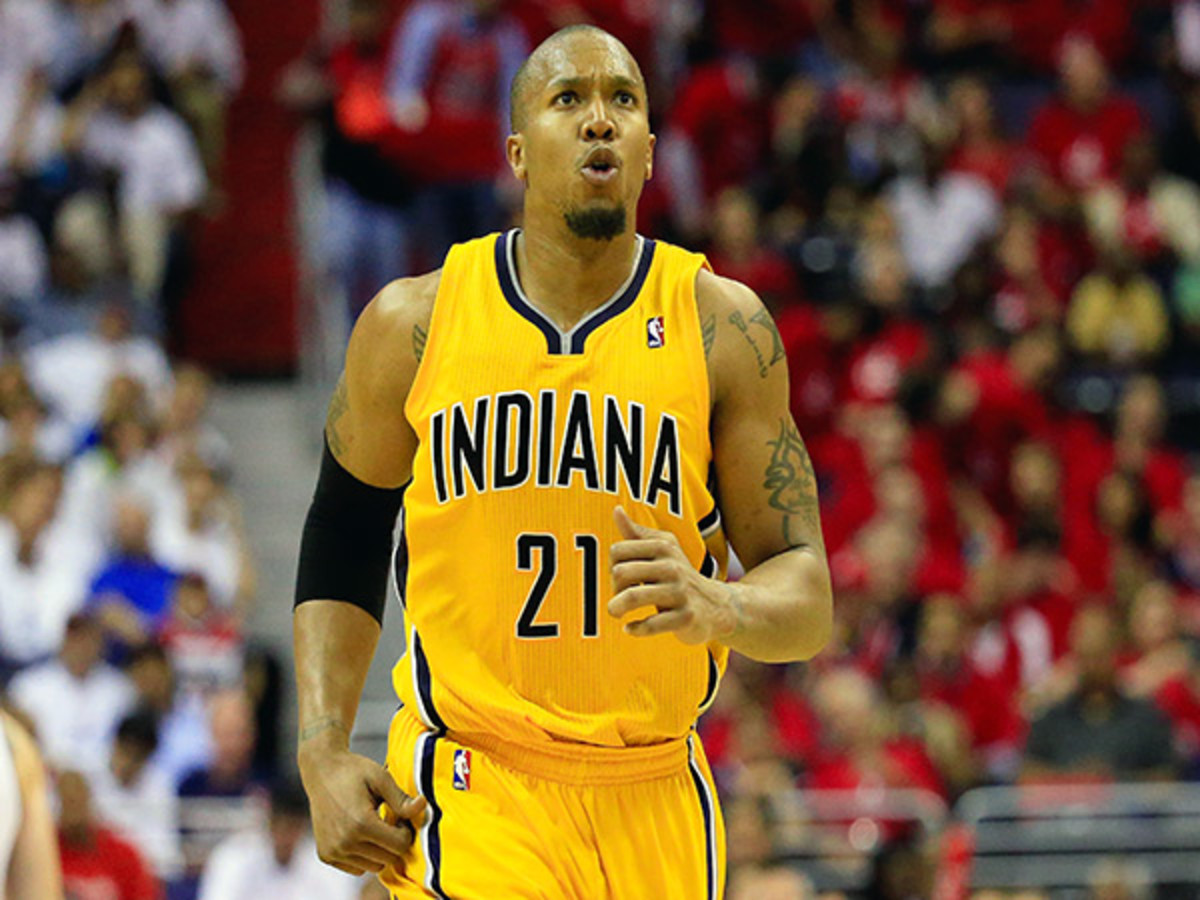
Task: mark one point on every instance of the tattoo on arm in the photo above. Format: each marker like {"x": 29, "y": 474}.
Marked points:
{"x": 418, "y": 339}
{"x": 338, "y": 405}
{"x": 708, "y": 331}
{"x": 793, "y": 485}
{"x": 320, "y": 726}
{"x": 740, "y": 324}
{"x": 763, "y": 318}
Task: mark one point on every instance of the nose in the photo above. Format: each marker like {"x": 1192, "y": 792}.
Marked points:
{"x": 598, "y": 125}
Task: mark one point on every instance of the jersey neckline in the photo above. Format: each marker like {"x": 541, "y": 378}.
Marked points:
{"x": 572, "y": 342}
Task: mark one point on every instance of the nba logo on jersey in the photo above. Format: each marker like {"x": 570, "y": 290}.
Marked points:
{"x": 655, "y": 335}
{"x": 462, "y": 770}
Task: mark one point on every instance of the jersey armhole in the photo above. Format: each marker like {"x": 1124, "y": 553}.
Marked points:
{"x": 425, "y": 376}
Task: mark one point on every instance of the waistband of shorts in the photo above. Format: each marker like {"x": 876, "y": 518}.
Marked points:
{"x": 581, "y": 764}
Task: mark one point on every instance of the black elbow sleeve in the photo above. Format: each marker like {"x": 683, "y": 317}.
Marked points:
{"x": 346, "y": 547}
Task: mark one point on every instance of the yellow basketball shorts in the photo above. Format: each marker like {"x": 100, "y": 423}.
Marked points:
{"x": 508, "y": 823}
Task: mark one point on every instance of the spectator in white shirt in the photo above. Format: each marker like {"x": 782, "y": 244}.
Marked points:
{"x": 195, "y": 44}
{"x": 160, "y": 180}
{"x": 137, "y": 799}
{"x": 120, "y": 464}
{"x": 28, "y": 119}
{"x": 942, "y": 216}
{"x": 200, "y": 530}
{"x": 277, "y": 861}
{"x": 45, "y": 569}
{"x": 76, "y": 700}
{"x": 72, "y": 373}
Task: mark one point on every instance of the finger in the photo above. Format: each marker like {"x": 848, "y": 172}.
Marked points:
{"x": 369, "y": 856}
{"x": 647, "y": 548}
{"x": 660, "y": 596}
{"x": 405, "y": 807}
{"x": 662, "y": 623}
{"x": 364, "y": 864}
{"x": 630, "y": 530}
{"x": 627, "y": 574}
{"x": 394, "y": 840}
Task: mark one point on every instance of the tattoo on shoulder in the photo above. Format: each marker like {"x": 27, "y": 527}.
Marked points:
{"x": 708, "y": 331}
{"x": 338, "y": 405}
{"x": 418, "y": 339}
{"x": 740, "y": 324}
{"x": 793, "y": 485}
{"x": 763, "y": 318}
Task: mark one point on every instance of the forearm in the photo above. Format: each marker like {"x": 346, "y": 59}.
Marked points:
{"x": 783, "y": 606}
{"x": 334, "y": 643}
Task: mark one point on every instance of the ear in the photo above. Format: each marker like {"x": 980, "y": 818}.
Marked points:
{"x": 650, "y": 156}
{"x": 514, "y": 152}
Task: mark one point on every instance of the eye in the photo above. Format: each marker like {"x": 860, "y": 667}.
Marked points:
{"x": 626, "y": 98}
{"x": 565, "y": 98}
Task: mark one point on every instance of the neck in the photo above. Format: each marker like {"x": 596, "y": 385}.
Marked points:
{"x": 567, "y": 276}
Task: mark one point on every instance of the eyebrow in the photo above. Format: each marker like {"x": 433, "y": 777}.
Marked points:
{"x": 578, "y": 81}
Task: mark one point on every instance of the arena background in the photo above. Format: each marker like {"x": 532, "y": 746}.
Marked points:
{"x": 977, "y": 223}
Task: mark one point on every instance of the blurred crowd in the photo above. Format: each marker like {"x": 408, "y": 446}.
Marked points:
{"x": 126, "y": 584}
{"x": 977, "y": 223}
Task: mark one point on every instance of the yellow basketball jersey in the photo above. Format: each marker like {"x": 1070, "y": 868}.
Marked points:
{"x": 528, "y": 438}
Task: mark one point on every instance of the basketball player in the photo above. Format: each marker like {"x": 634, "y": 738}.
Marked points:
{"x": 29, "y": 867}
{"x": 559, "y": 407}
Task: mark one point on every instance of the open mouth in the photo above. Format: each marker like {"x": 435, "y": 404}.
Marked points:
{"x": 600, "y": 167}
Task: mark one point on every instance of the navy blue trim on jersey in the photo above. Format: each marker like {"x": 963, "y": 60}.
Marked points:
{"x": 710, "y": 566}
{"x": 400, "y": 565}
{"x": 709, "y": 521}
{"x": 714, "y": 675}
{"x": 425, "y": 684}
{"x": 433, "y": 856}
{"x": 707, "y": 810}
{"x": 579, "y": 334}
{"x": 509, "y": 288}
{"x": 559, "y": 342}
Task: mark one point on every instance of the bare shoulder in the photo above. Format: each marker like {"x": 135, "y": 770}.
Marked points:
{"x": 389, "y": 338}
{"x": 721, "y": 296}
{"x": 402, "y": 305}
{"x": 741, "y": 341}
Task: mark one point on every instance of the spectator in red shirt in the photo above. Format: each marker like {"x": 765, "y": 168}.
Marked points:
{"x": 858, "y": 751}
{"x": 1158, "y": 651}
{"x": 97, "y": 865}
{"x": 365, "y": 240}
{"x": 892, "y": 343}
{"x": 987, "y": 703}
{"x": 979, "y": 148}
{"x": 1078, "y": 136}
{"x": 738, "y": 253}
{"x": 993, "y": 401}
{"x": 1027, "y": 292}
{"x": 451, "y": 67}
{"x": 716, "y": 137}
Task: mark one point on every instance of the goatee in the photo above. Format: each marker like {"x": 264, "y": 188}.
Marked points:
{"x": 596, "y": 224}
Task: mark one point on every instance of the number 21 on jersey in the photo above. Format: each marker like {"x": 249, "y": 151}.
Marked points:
{"x": 545, "y": 546}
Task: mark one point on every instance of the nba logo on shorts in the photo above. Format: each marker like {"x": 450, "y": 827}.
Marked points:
{"x": 462, "y": 770}
{"x": 655, "y": 335}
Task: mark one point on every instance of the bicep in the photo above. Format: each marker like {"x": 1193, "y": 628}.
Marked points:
{"x": 767, "y": 486}
{"x": 365, "y": 426}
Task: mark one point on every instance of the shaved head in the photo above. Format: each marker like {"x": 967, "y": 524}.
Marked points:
{"x": 540, "y": 63}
